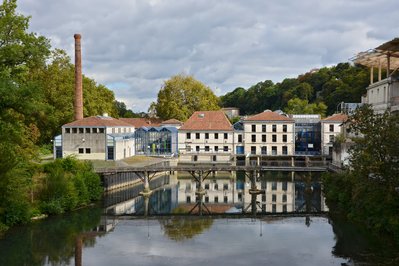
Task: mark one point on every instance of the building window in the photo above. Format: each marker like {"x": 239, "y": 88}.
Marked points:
{"x": 264, "y": 150}
{"x": 81, "y": 150}
{"x": 101, "y": 130}
{"x": 284, "y": 198}
{"x": 285, "y": 150}
{"x": 197, "y": 135}
{"x": 225, "y": 136}
{"x": 188, "y": 135}
{"x": 331, "y": 138}
{"x": 87, "y": 131}
{"x": 67, "y": 130}
{"x": 214, "y": 158}
{"x": 263, "y": 128}
{"x": 253, "y": 128}
{"x": 216, "y": 148}
{"x": 188, "y": 148}
{"x": 274, "y": 150}
{"x": 88, "y": 150}
{"x": 225, "y": 186}
{"x": 81, "y": 130}
{"x": 74, "y": 130}
{"x": 284, "y": 138}
{"x": 94, "y": 130}
{"x": 195, "y": 158}
{"x": 216, "y": 187}
{"x": 331, "y": 128}
{"x": 240, "y": 138}
{"x": 207, "y": 186}
{"x": 225, "y": 148}
{"x": 197, "y": 148}
{"x": 216, "y": 135}
{"x": 285, "y": 185}
{"x": 274, "y": 198}
{"x": 225, "y": 199}
{"x": 206, "y": 135}
{"x": 274, "y": 128}
{"x": 206, "y": 148}
{"x": 206, "y": 199}
{"x": 263, "y": 138}
{"x": 188, "y": 199}
{"x": 274, "y": 138}
{"x": 253, "y": 138}
{"x": 216, "y": 199}
{"x": 274, "y": 185}
{"x": 284, "y": 128}
{"x": 273, "y": 208}
{"x": 284, "y": 208}
{"x": 253, "y": 149}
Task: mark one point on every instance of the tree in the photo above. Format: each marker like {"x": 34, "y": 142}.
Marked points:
{"x": 182, "y": 95}
{"x": 19, "y": 50}
{"x": 298, "y": 106}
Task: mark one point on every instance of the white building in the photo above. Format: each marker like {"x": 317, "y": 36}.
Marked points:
{"x": 207, "y": 136}
{"x": 330, "y": 128}
{"x": 96, "y": 138}
{"x": 382, "y": 94}
{"x": 269, "y": 133}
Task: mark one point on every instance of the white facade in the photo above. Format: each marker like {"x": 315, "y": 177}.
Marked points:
{"x": 208, "y": 146}
{"x": 383, "y": 94}
{"x": 329, "y": 131}
{"x": 269, "y": 138}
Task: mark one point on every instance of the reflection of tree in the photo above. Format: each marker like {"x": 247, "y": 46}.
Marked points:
{"x": 183, "y": 228}
{"x": 49, "y": 241}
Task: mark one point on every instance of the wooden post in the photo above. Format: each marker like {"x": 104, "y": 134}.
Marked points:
{"x": 379, "y": 71}
{"x": 371, "y": 75}
{"x": 388, "y": 64}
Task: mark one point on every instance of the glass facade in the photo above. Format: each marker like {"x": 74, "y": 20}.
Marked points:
{"x": 156, "y": 141}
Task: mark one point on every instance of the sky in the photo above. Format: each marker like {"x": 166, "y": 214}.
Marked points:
{"x": 133, "y": 46}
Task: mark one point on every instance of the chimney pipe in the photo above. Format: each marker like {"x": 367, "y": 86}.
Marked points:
{"x": 78, "y": 102}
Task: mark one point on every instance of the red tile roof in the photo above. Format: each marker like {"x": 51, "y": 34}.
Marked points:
{"x": 142, "y": 122}
{"x": 172, "y": 122}
{"x": 98, "y": 121}
{"x": 208, "y": 121}
{"x": 337, "y": 118}
{"x": 269, "y": 116}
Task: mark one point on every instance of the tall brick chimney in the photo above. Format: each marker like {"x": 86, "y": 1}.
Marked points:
{"x": 78, "y": 102}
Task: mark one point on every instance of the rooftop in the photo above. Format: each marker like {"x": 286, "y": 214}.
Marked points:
{"x": 379, "y": 56}
{"x": 268, "y": 116}
{"x": 337, "y": 117}
{"x": 98, "y": 121}
{"x": 172, "y": 122}
{"x": 141, "y": 122}
{"x": 207, "y": 120}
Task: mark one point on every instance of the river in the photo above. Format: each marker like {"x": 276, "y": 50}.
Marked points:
{"x": 285, "y": 222}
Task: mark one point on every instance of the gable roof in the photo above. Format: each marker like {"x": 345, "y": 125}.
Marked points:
{"x": 337, "y": 118}
{"x": 141, "y": 122}
{"x": 207, "y": 120}
{"x": 98, "y": 121}
{"x": 172, "y": 122}
{"x": 268, "y": 116}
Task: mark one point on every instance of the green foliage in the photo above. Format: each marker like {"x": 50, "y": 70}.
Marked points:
{"x": 181, "y": 96}
{"x": 298, "y": 106}
{"x": 184, "y": 228}
{"x": 329, "y": 86}
{"x": 368, "y": 193}
{"x": 68, "y": 184}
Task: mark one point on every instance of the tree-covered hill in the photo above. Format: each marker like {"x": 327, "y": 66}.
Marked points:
{"x": 329, "y": 85}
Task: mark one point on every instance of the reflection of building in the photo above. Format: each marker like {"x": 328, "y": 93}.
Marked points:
{"x": 307, "y": 134}
{"x": 206, "y": 136}
{"x": 96, "y": 138}
{"x": 268, "y": 133}
{"x": 276, "y": 196}
{"x": 156, "y": 140}
{"x": 330, "y": 128}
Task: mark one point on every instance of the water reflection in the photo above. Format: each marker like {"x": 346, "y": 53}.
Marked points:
{"x": 221, "y": 193}
{"x": 245, "y": 221}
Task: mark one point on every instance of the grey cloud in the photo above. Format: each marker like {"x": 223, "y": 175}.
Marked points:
{"x": 225, "y": 44}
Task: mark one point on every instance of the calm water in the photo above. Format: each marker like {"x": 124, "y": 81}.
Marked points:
{"x": 285, "y": 224}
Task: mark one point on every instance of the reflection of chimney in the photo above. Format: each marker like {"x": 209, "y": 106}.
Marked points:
{"x": 78, "y": 102}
